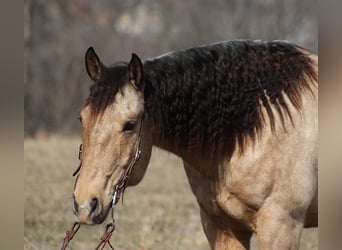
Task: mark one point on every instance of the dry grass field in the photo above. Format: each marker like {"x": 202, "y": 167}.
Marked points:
{"x": 159, "y": 213}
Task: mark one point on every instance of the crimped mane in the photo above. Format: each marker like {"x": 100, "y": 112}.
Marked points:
{"x": 210, "y": 98}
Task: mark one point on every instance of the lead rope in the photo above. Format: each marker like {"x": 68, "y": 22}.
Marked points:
{"x": 110, "y": 227}
{"x": 105, "y": 239}
{"x": 69, "y": 235}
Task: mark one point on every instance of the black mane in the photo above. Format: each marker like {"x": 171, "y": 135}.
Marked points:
{"x": 210, "y": 96}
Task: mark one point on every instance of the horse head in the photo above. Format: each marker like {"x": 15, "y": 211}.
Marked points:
{"x": 114, "y": 130}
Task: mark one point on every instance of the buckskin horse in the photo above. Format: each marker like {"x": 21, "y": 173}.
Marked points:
{"x": 241, "y": 114}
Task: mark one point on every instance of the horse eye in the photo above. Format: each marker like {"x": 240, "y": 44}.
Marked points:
{"x": 129, "y": 126}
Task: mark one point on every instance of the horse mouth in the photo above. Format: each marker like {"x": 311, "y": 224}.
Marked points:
{"x": 101, "y": 217}
{"x": 84, "y": 216}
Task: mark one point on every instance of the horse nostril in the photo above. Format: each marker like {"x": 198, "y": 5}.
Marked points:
{"x": 93, "y": 205}
{"x": 76, "y": 207}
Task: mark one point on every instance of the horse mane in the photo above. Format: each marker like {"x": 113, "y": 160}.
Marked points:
{"x": 210, "y": 97}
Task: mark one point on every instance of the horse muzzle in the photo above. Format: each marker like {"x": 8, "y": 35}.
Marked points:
{"x": 90, "y": 211}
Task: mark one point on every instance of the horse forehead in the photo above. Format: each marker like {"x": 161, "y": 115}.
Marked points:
{"x": 128, "y": 102}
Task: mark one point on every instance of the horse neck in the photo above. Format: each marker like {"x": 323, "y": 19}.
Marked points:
{"x": 201, "y": 106}
{"x": 158, "y": 118}
{"x": 168, "y": 109}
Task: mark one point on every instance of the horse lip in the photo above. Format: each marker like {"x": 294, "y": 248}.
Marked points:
{"x": 101, "y": 217}
{"x": 98, "y": 219}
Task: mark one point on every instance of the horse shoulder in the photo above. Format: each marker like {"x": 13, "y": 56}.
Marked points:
{"x": 280, "y": 167}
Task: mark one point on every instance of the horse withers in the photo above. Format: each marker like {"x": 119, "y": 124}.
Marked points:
{"x": 241, "y": 114}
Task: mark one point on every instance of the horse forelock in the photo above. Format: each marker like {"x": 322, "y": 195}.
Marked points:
{"x": 103, "y": 92}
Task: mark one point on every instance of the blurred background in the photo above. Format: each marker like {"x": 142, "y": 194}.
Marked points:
{"x": 161, "y": 212}
{"x": 57, "y": 34}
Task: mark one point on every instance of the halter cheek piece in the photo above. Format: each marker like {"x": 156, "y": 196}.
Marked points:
{"x": 121, "y": 186}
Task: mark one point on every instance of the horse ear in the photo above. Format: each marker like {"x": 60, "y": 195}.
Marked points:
{"x": 135, "y": 72}
{"x": 93, "y": 64}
